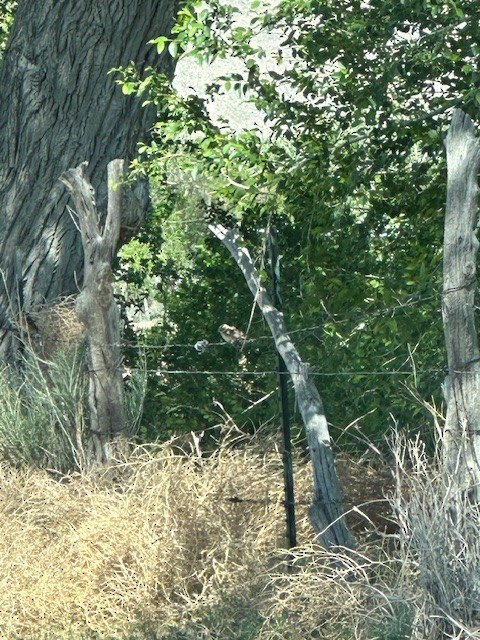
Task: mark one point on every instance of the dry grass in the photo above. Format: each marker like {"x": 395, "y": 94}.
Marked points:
{"x": 147, "y": 544}
{"x": 56, "y": 328}
{"x": 166, "y": 546}
{"x": 350, "y": 596}
{"x": 440, "y": 539}
{"x": 171, "y": 547}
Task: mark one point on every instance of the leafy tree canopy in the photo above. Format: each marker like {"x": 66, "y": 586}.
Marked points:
{"x": 7, "y": 10}
{"x": 351, "y": 171}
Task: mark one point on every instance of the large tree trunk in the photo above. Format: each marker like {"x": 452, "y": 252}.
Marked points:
{"x": 326, "y": 511}
{"x": 60, "y": 106}
{"x": 462, "y": 386}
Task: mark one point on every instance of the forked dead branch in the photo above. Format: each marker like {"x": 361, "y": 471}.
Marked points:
{"x": 97, "y": 309}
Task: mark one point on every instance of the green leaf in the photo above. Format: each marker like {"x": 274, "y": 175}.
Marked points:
{"x": 128, "y": 88}
{"x": 173, "y": 48}
{"x": 160, "y": 43}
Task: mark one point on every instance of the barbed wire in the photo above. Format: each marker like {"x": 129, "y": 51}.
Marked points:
{"x": 243, "y": 373}
{"x": 311, "y": 329}
{"x": 268, "y": 372}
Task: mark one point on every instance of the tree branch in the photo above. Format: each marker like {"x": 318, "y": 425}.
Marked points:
{"x": 326, "y": 512}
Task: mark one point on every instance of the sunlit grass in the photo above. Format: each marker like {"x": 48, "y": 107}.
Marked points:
{"x": 165, "y": 546}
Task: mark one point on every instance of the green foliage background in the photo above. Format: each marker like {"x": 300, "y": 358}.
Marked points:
{"x": 7, "y": 11}
{"x": 350, "y": 170}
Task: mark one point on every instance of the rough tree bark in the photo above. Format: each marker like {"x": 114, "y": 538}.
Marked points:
{"x": 462, "y": 387}
{"x": 326, "y": 511}
{"x": 59, "y": 106}
{"x": 97, "y": 310}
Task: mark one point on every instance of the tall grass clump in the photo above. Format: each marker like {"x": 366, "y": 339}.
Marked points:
{"x": 42, "y": 421}
{"x": 440, "y": 539}
{"x": 339, "y": 595}
{"x": 44, "y": 417}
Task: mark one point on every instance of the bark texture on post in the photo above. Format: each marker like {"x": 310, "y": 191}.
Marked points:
{"x": 326, "y": 511}
{"x": 462, "y": 386}
{"x": 97, "y": 310}
{"x": 59, "y": 106}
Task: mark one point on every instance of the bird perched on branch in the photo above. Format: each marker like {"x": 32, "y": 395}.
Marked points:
{"x": 232, "y": 335}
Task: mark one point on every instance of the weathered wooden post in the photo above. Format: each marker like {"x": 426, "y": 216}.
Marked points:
{"x": 326, "y": 511}
{"x": 461, "y": 440}
{"x": 97, "y": 310}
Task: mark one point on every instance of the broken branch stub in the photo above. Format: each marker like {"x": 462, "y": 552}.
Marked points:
{"x": 326, "y": 511}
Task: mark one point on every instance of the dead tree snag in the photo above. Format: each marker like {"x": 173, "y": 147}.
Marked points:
{"x": 97, "y": 309}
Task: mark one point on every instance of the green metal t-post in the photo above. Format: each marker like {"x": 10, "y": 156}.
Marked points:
{"x": 274, "y": 258}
